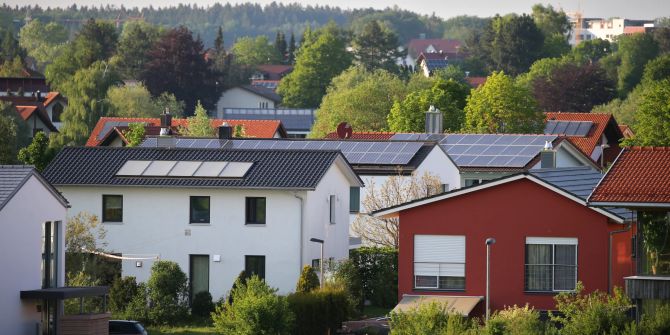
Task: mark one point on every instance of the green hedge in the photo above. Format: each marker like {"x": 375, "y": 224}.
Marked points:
{"x": 378, "y": 274}
{"x": 319, "y": 311}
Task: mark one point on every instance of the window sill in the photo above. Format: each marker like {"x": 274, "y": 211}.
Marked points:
{"x": 544, "y": 292}
{"x": 199, "y": 224}
{"x": 439, "y": 289}
{"x": 112, "y": 222}
{"x": 255, "y": 224}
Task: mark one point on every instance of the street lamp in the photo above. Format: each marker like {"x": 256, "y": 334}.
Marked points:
{"x": 489, "y": 241}
{"x": 316, "y": 240}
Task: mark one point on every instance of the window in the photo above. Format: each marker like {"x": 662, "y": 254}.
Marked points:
{"x": 112, "y": 208}
{"x": 316, "y": 264}
{"x": 354, "y": 199}
{"x": 255, "y": 265}
{"x": 551, "y": 264}
{"x": 199, "y": 274}
{"x": 255, "y": 210}
{"x": 439, "y": 262}
{"x": 332, "y": 201}
{"x": 50, "y": 254}
{"x": 56, "y": 112}
{"x": 199, "y": 209}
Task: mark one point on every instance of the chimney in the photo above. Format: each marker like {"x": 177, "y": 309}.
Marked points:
{"x": 166, "y": 140}
{"x": 548, "y": 156}
{"x": 225, "y": 131}
{"x": 434, "y": 121}
{"x": 166, "y": 119}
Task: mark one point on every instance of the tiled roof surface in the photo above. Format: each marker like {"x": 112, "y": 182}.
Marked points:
{"x": 639, "y": 175}
{"x": 26, "y": 111}
{"x": 262, "y": 91}
{"x": 292, "y": 119}
{"x": 51, "y": 96}
{"x": 252, "y": 128}
{"x": 417, "y": 46}
{"x": 476, "y": 81}
{"x": 589, "y": 142}
{"x": 365, "y": 135}
{"x": 275, "y": 68}
{"x": 29, "y": 110}
{"x": 11, "y": 177}
{"x": 287, "y": 169}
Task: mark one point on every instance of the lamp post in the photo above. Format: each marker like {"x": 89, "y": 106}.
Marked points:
{"x": 316, "y": 240}
{"x": 489, "y": 241}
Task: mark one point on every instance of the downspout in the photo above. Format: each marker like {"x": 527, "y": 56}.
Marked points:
{"x": 301, "y": 229}
{"x": 609, "y": 273}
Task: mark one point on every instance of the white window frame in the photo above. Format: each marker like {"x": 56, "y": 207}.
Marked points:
{"x": 439, "y": 266}
{"x": 553, "y": 241}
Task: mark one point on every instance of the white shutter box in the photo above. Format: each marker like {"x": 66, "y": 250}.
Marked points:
{"x": 439, "y": 255}
{"x": 551, "y": 240}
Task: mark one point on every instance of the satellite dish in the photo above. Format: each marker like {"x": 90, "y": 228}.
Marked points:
{"x": 344, "y": 130}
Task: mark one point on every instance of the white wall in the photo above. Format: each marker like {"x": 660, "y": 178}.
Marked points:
{"x": 49, "y": 110}
{"x": 240, "y": 98}
{"x": 22, "y": 220}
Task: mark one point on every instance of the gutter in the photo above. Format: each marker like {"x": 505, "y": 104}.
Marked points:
{"x": 609, "y": 253}
{"x": 301, "y": 229}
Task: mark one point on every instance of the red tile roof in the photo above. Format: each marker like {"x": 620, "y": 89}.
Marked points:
{"x": 26, "y": 111}
{"x": 365, "y": 135}
{"x": 639, "y": 175}
{"x": 417, "y": 46}
{"x": 51, "y": 97}
{"x": 476, "y": 81}
{"x": 626, "y": 131}
{"x": 589, "y": 142}
{"x": 275, "y": 68}
{"x": 252, "y": 128}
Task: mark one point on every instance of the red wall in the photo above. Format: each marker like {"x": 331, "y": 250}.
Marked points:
{"x": 510, "y": 213}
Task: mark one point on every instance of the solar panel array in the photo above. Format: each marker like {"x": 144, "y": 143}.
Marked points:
{"x": 494, "y": 150}
{"x": 356, "y": 152}
{"x": 570, "y": 128}
{"x": 156, "y": 168}
{"x": 434, "y": 64}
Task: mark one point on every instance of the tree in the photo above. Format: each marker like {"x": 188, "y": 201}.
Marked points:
{"x": 86, "y": 103}
{"x": 250, "y": 52}
{"x": 9, "y": 46}
{"x": 502, "y": 106}
{"x": 136, "y": 101}
{"x": 14, "y": 133}
{"x": 134, "y": 134}
{"x": 591, "y": 50}
{"x": 376, "y": 48}
{"x": 38, "y": 152}
{"x": 199, "y": 125}
{"x": 12, "y": 68}
{"x": 541, "y": 69}
{"x": 653, "y": 116}
{"x": 168, "y": 293}
{"x": 409, "y": 115}
{"x": 136, "y": 38}
{"x": 281, "y": 46}
{"x": 257, "y": 309}
{"x": 321, "y": 58}
{"x": 624, "y": 110}
{"x": 43, "y": 42}
{"x": 556, "y": 29}
{"x": 219, "y": 45}
{"x": 308, "y": 280}
{"x": 662, "y": 37}
{"x": 360, "y": 97}
{"x": 657, "y": 69}
{"x": 84, "y": 233}
{"x": 291, "y": 50}
{"x": 573, "y": 88}
{"x": 121, "y": 293}
{"x": 177, "y": 65}
{"x": 635, "y": 51}
{"x": 395, "y": 190}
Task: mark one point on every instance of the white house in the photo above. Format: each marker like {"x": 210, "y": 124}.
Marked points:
{"x": 215, "y": 212}
{"x": 32, "y": 216}
{"x": 586, "y": 29}
{"x": 248, "y": 96}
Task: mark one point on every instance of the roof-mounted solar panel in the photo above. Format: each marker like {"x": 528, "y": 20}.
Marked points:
{"x": 184, "y": 169}
{"x": 235, "y": 169}
{"x": 133, "y": 168}
{"x": 159, "y": 168}
{"x": 210, "y": 169}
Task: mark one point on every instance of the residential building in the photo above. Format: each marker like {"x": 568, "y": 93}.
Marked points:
{"x": 592, "y": 133}
{"x": 536, "y": 255}
{"x": 638, "y": 180}
{"x": 417, "y": 46}
{"x": 215, "y": 212}
{"x": 248, "y": 96}
{"x": 109, "y": 131}
{"x": 28, "y": 85}
{"x": 271, "y": 71}
{"x": 298, "y": 122}
{"x": 40, "y": 111}
{"x": 586, "y": 29}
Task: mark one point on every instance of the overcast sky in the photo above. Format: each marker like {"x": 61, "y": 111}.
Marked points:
{"x": 636, "y": 9}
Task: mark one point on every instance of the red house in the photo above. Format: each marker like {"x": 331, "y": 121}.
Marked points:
{"x": 547, "y": 239}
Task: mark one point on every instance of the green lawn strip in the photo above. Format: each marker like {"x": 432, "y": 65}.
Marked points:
{"x": 181, "y": 331}
{"x": 375, "y": 311}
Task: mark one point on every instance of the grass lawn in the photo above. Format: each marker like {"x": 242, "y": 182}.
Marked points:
{"x": 181, "y": 330}
{"x": 374, "y": 311}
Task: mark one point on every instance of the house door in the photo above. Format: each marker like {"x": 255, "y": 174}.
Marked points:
{"x": 199, "y": 274}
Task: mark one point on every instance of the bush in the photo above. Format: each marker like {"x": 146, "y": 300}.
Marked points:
{"x": 168, "y": 293}
{"x": 653, "y": 323}
{"x": 202, "y": 304}
{"x": 595, "y": 313}
{"x": 91, "y": 304}
{"x": 348, "y": 277}
{"x": 308, "y": 280}
{"x": 123, "y": 290}
{"x": 241, "y": 278}
{"x": 257, "y": 309}
{"x": 430, "y": 318}
{"x": 515, "y": 320}
{"x": 320, "y": 311}
{"x": 378, "y": 269}
{"x": 138, "y": 306}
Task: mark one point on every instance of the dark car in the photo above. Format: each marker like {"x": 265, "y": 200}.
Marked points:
{"x": 123, "y": 327}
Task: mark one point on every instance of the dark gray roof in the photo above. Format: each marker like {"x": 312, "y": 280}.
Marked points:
{"x": 286, "y": 169}
{"x": 263, "y": 91}
{"x": 12, "y": 177}
{"x": 293, "y": 119}
{"x": 579, "y": 181}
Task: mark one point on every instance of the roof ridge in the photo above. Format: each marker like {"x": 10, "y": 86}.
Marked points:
{"x": 649, "y": 148}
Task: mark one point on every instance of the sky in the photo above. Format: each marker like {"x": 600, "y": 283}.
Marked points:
{"x": 634, "y": 9}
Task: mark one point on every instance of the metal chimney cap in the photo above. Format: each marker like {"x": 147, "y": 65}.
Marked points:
{"x": 548, "y": 145}
{"x": 431, "y": 109}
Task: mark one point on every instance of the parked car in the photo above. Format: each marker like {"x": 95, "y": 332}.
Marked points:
{"x": 124, "y": 327}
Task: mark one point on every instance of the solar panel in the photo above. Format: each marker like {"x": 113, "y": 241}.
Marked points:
{"x": 494, "y": 150}
{"x": 159, "y": 168}
{"x": 569, "y": 128}
{"x": 133, "y": 168}
{"x": 184, "y": 169}
{"x": 235, "y": 169}
{"x": 210, "y": 169}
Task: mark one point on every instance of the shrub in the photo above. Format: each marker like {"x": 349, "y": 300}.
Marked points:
{"x": 256, "y": 309}
{"x": 308, "y": 280}
{"x": 515, "y": 320}
{"x": 430, "y": 318}
{"x": 241, "y": 278}
{"x": 91, "y": 304}
{"x": 348, "y": 277}
{"x": 652, "y": 323}
{"x": 320, "y": 311}
{"x": 595, "y": 313}
{"x": 138, "y": 306}
{"x": 378, "y": 269}
{"x": 168, "y": 293}
{"x": 123, "y": 290}
{"x": 202, "y": 304}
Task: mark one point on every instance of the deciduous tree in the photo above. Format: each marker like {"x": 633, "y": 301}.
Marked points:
{"x": 43, "y": 42}
{"x": 136, "y": 39}
{"x": 249, "y": 51}
{"x": 136, "y": 101}
{"x": 653, "y": 116}
{"x": 502, "y": 106}
{"x": 635, "y": 51}
{"x": 555, "y": 26}
{"x": 38, "y": 152}
{"x": 199, "y": 124}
